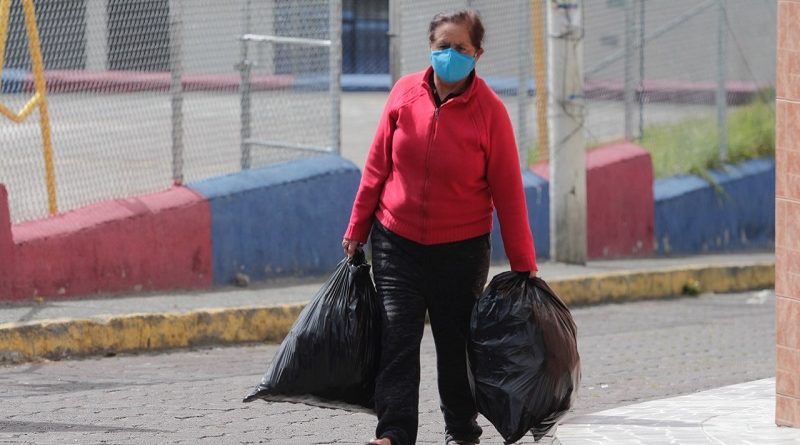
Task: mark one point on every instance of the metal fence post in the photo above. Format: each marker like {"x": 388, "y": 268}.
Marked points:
{"x": 539, "y": 28}
{"x": 522, "y": 82}
{"x": 395, "y": 50}
{"x": 642, "y": 96}
{"x": 335, "y": 19}
{"x": 244, "y": 89}
{"x": 629, "y": 94}
{"x": 96, "y": 35}
{"x": 176, "y": 87}
{"x": 722, "y": 96}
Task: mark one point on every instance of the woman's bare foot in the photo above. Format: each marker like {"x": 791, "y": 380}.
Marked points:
{"x": 383, "y": 441}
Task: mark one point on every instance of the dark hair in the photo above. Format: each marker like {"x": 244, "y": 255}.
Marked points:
{"x": 469, "y": 17}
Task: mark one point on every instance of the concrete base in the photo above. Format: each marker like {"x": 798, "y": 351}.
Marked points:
{"x": 735, "y": 212}
{"x": 156, "y": 241}
{"x": 619, "y": 198}
{"x": 6, "y": 246}
{"x": 284, "y": 219}
{"x": 538, "y": 199}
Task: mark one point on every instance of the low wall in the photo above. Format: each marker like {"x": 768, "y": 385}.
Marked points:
{"x": 284, "y": 219}
{"x": 619, "y": 198}
{"x": 538, "y": 200}
{"x": 288, "y": 219}
{"x": 695, "y": 216}
{"x": 7, "y": 259}
{"x": 155, "y": 241}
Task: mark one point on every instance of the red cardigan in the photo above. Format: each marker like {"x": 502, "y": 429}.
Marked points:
{"x": 433, "y": 175}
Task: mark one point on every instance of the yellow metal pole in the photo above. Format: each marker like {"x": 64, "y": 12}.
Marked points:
{"x": 26, "y": 110}
{"x": 41, "y": 88}
{"x": 5, "y": 8}
{"x": 540, "y": 68}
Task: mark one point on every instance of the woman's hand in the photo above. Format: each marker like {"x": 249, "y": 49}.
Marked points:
{"x": 350, "y": 246}
{"x": 533, "y": 274}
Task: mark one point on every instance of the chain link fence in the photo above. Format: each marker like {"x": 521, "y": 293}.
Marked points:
{"x": 647, "y": 63}
{"x": 146, "y": 93}
{"x": 678, "y": 74}
{"x": 507, "y": 63}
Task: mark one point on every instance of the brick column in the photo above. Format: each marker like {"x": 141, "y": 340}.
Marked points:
{"x": 6, "y": 247}
{"x": 787, "y": 218}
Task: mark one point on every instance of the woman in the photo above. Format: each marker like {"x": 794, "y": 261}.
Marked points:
{"x": 443, "y": 154}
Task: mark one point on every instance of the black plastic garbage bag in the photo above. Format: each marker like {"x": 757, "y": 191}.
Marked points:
{"x": 523, "y": 356}
{"x": 330, "y": 357}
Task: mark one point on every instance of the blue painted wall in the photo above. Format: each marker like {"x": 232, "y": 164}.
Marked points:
{"x": 283, "y": 219}
{"x": 537, "y": 195}
{"x": 288, "y": 219}
{"x": 691, "y": 216}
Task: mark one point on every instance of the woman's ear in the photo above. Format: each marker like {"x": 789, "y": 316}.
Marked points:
{"x": 478, "y": 54}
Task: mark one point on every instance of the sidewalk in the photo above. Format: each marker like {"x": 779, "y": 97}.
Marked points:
{"x": 736, "y": 414}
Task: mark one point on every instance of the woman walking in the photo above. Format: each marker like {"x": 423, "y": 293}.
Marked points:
{"x": 442, "y": 158}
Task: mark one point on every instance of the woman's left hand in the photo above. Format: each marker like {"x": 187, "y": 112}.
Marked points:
{"x": 533, "y": 274}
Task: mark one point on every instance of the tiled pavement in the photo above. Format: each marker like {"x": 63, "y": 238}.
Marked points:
{"x": 731, "y": 415}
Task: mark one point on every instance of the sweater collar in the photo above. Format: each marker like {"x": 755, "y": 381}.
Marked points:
{"x": 464, "y": 96}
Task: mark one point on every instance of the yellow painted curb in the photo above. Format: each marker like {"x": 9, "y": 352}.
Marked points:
{"x": 144, "y": 332}
{"x": 641, "y": 285}
{"x": 21, "y": 342}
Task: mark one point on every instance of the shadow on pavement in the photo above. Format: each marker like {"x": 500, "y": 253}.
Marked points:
{"x": 22, "y": 426}
{"x": 624, "y": 420}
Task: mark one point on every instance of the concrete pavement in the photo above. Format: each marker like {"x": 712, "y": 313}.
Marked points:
{"x": 735, "y": 414}
{"x": 633, "y": 356}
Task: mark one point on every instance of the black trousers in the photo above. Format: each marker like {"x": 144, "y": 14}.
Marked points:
{"x": 444, "y": 279}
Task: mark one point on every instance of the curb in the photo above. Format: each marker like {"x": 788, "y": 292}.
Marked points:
{"x": 626, "y": 286}
{"x": 57, "y": 339}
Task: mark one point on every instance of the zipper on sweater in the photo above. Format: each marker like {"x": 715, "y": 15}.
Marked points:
{"x": 434, "y": 125}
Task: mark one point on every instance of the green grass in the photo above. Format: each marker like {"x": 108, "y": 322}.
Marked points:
{"x": 691, "y": 146}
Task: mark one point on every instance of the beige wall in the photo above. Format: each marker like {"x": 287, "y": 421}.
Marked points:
{"x": 787, "y": 207}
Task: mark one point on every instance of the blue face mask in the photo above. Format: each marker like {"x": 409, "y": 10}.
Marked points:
{"x": 450, "y": 65}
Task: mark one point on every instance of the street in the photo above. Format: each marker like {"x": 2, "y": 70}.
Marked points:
{"x": 630, "y": 353}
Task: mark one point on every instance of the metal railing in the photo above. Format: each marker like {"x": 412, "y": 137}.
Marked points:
{"x": 39, "y": 99}
{"x": 245, "y": 67}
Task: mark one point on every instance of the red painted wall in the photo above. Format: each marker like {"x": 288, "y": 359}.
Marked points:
{"x": 6, "y": 246}
{"x": 619, "y": 183}
{"x": 156, "y": 241}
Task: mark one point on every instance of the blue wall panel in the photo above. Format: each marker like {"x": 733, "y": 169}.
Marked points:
{"x": 692, "y": 216}
{"x": 284, "y": 219}
{"x": 537, "y": 195}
